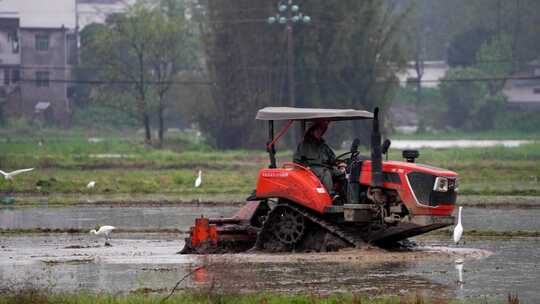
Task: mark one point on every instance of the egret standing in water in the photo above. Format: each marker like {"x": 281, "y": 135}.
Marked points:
{"x": 198, "y": 181}
{"x": 104, "y": 231}
{"x": 458, "y": 230}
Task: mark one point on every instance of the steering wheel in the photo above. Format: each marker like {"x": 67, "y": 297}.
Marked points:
{"x": 353, "y": 152}
{"x": 340, "y": 157}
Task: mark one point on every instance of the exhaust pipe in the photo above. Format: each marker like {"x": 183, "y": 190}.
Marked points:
{"x": 376, "y": 153}
{"x": 375, "y": 192}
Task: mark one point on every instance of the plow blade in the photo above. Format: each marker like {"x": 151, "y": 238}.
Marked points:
{"x": 226, "y": 235}
{"x": 418, "y": 225}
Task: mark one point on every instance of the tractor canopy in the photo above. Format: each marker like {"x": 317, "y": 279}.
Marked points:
{"x": 302, "y": 115}
{"x": 288, "y": 113}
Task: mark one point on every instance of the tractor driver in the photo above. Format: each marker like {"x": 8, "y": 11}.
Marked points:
{"x": 314, "y": 153}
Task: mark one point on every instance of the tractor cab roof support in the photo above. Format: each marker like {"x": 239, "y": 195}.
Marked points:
{"x": 270, "y": 148}
{"x": 271, "y": 144}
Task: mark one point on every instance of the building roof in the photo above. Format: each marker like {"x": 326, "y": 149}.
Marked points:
{"x": 40, "y": 14}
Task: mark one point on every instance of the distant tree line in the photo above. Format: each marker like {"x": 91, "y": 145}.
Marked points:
{"x": 214, "y": 63}
{"x": 480, "y": 39}
{"x": 345, "y": 58}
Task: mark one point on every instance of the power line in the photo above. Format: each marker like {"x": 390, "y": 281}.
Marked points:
{"x": 114, "y": 82}
{"x": 176, "y": 82}
{"x": 442, "y": 80}
{"x": 261, "y": 67}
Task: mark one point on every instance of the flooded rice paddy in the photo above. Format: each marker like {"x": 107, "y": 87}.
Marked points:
{"x": 458, "y": 143}
{"x": 181, "y": 217}
{"x": 122, "y": 217}
{"x": 72, "y": 262}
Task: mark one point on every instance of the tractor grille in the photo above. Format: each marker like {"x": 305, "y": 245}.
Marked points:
{"x": 422, "y": 186}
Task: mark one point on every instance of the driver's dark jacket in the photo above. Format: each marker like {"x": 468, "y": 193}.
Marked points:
{"x": 314, "y": 152}
{"x": 319, "y": 157}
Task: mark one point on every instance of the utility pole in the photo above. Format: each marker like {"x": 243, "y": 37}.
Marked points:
{"x": 290, "y": 59}
{"x": 292, "y": 16}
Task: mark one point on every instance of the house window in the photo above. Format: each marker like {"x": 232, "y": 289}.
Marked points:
{"x": 14, "y": 40}
{"x": 42, "y": 79}
{"x": 11, "y": 76}
{"x": 15, "y": 75}
{"x": 42, "y": 42}
{"x": 6, "y": 76}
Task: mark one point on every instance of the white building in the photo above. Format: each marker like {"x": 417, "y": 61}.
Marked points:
{"x": 433, "y": 72}
{"x": 523, "y": 90}
{"x": 37, "y": 49}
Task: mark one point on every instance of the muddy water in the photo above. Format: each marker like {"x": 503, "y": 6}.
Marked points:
{"x": 514, "y": 267}
{"x": 68, "y": 263}
{"x": 501, "y": 219}
{"x": 125, "y": 218}
{"x": 182, "y": 217}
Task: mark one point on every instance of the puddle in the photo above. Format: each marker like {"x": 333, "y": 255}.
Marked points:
{"x": 150, "y": 263}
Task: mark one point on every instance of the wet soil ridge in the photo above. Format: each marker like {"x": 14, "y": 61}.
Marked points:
{"x": 86, "y": 231}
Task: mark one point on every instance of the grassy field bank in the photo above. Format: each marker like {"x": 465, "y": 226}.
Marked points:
{"x": 33, "y": 297}
{"x": 65, "y": 164}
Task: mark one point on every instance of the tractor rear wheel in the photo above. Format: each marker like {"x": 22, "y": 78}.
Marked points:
{"x": 289, "y": 226}
{"x": 283, "y": 229}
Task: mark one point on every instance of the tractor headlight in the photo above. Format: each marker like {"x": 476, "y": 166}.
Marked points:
{"x": 441, "y": 184}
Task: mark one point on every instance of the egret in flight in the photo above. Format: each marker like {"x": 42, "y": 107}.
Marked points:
{"x": 458, "y": 230}
{"x": 10, "y": 175}
{"x": 104, "y": 231}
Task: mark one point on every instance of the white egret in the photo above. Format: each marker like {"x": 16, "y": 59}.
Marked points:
{"x": 104, "y": 231}
{"x": 91, "y": 184}
{"x": 10, "y": 175}
{"x": 198, "y": 181}
{"x": 458, "y": 230}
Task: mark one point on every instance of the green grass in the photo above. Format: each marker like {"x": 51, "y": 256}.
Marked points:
{"x": 65, "y": 163}
{"x": 140, "y": 181}
{"x": 36, "y": 297}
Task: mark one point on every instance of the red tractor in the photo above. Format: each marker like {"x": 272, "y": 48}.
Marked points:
{"x": 290, "y": 210}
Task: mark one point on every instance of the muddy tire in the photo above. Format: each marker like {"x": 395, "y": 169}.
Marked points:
{"x": 282, "y": 230}
{"x": 287, "y": 230}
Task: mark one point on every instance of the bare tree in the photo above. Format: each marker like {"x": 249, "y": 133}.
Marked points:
{"x": 141, "y": 52}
